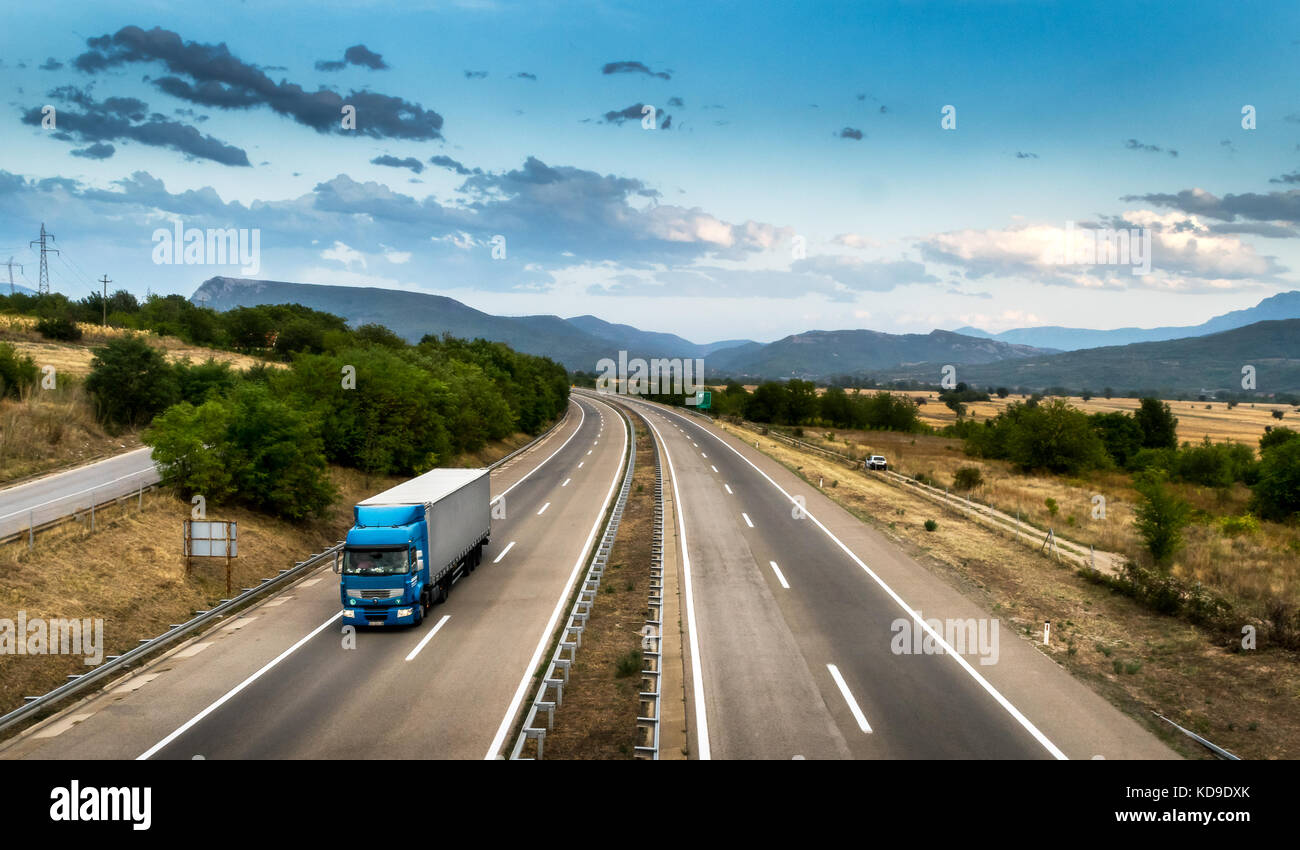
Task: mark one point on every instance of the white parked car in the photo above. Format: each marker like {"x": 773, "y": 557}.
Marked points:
{"x": 876, "y": 462}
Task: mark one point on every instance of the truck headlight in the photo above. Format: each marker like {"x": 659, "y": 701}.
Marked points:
{"x": 349, "y": 614}
{"x": 404, "y": 612}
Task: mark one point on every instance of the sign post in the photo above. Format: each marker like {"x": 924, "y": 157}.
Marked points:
{"x": 212, "y": 539}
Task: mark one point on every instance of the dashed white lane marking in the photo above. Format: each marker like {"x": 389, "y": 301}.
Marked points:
{"x": 749, "y": 522}
{"x": 544, "y": 507}
{"x": 136, "y": 683}
{"x": 180, "y": 730}
{"x": 566, "y": 482}
{"x": 580, "y": 463}
{"x": 433, "y": 631}
{"x": 62, "y": 726}
{"x": 191, "y": 651}
{"x": 848, "y": 697}
{"x": 589, "y": 451}
{"x": 714, "y": 468}
{"x": 779, "y": 576}
{"x": 703, "y": 455}
{"x": 727, "y": 487}
{"x": 498, "y": 558}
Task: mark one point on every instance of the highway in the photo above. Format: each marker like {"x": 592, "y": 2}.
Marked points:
{"x": 286, "y": 681}
{"x": 63, "y": 493}
{"x": 792, "y": 614}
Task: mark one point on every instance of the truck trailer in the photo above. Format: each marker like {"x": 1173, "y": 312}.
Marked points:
{"x": 410, "y": 544}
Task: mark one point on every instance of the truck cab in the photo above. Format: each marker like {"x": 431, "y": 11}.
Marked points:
{"x": 384, "y": 579}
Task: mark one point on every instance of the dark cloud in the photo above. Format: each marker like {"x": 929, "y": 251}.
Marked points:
{"x": 357, "y": 54}
{"x": 1293, "y": 177}
{"x": 850, "y": 133}
{"x": 98, "y": 150}
{"x": 1026, "y": 155}
{"x": 634, "y": 68}
{"x": 452, "y": 165}
{"x": 1135, "y": 145}
{"x": 675, "y": 101}
{"x": 219, "y": 79}
{"x": 523, "y": 75}
{"x": 634, "y": 113}
{"x": 1252, "y": 206}
{"x": 393, "y": 162}
{"x": 475, "y": 75}
{"x": 118, "y": 118}
{"x": 1272, "y": 231}
{"x": 51, "y": 64}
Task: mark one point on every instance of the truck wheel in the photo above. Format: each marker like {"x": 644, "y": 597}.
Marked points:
{"x": 419, "y": 615}
{"x": 470, "y": 563}
{"x": 478, "y": 554}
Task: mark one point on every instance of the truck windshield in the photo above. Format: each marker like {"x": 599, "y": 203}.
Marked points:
{"x": 376, "y": 562}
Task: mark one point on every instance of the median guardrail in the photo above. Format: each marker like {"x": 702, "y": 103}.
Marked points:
{"x": 557, "y": 670}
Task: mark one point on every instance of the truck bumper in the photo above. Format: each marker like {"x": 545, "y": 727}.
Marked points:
{"x": 391, "y": 615}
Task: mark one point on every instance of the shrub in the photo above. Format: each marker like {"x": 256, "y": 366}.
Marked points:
{"x": 58, "y": 327}
{"x": 130, "y": 382}
{"x": 931, "y": 525}
{"x": 1232, "y": 526}
{"x": 628, "y": 664}
{"x": 17, "y": 371}
{"x": 1160, "y": 518}
{"x": 967, "y": 478}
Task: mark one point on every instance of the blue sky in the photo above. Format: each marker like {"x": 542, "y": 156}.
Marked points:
{"x": 1093, "y": 114}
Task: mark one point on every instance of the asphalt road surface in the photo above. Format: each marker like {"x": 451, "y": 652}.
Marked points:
{"x": 64, "y": 493}
{"x": 800, "y": 617}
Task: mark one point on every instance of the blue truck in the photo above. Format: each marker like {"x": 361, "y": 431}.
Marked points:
{"x": 410, "y": 544}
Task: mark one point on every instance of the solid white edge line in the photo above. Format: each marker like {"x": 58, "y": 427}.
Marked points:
{"x": 548, "y": 457}
{"x": 498, "y": 740}
{"x": 779, "y": 576}
{"x": 419, "y": 646}
{"x": 916, "y": 618}
{"x": 498, "y": 558}
{"x": 848, "y": 697}
{"x": 697, "y": 670}
{"x": 235, "y": 690}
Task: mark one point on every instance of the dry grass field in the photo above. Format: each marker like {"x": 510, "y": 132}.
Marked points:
{"x": 53, "y": 429}
{"x": 73, "y": 358}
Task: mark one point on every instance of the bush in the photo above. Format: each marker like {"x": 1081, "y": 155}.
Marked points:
{"x": 1232, "y": 526}
{"x": 130, "y": 382}
{"x": 1160, "y": 519}
{"x": 1277, "y": 492}
{"x": 628, "y": 664}
{"x": 931, "y": 525}
{"x": 967, "y": 478}
{"x": 17, "y": 372}
{"x": 58, "y": 327}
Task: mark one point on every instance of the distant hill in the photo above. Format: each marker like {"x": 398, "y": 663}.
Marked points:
{"x": 825, "y": 354}
{"x": 577, "y": 343}
{"x": 1190, "y": 365}
{"x": 633, "y": 339}
{"x": 1285, "y": 305}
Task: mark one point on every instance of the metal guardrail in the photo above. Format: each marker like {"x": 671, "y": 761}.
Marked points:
{"x": 75, "y": 505}
{"x": 571, "y": 635}
{"x": 121, "y": 663}
{"x": 648, "y": 717}
{"x": 1209, "y": 745}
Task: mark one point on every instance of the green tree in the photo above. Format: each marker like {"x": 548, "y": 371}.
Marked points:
{"x": 1277, "y": 492}
{"x": 17, "y": 372}
{"x": 130, "y": 382}
{"x": 1161, "y": 517}
{"x": 1120, "y": 433}
{"x": 1158, "y": 423}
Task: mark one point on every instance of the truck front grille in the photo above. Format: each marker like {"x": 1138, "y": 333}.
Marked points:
{"x": 379, "y": 593}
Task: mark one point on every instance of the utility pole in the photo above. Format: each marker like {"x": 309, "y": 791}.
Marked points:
{"x": 11, "y": 265}
{"x": 104, "y": 280}
{"x": 43, "y": 286}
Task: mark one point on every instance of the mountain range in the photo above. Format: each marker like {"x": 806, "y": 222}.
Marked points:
{"x": 1285, "y": 305}
{"x": 1205, "y": 356}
